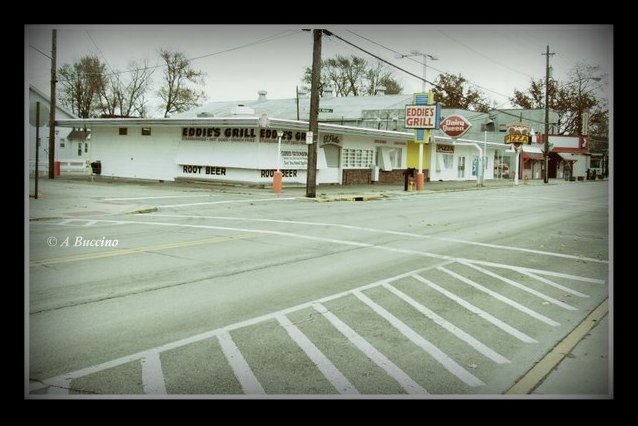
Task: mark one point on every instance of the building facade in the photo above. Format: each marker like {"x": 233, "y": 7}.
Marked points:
{"x": 72, "y": 146}
{"x": 242, "y": 149}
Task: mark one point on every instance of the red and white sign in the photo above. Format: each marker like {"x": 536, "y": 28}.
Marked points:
{"x": 455, "y": 126}
{"x": 420, "y": 116}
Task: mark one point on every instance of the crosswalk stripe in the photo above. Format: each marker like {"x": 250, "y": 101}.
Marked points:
{"x": 249, "y": 383}
{"x": 467, "y": 338}
{"x": 152, "y": 374}
{"x": 532, "y": 313}
{"x": 522, "y": 287}
{"x": 327, "y": 368}
{"x": 481, "y": 313}
{"x": 405, "y": 381}
{"x": 553, "y": 284}
{"x": 447, "y": 362}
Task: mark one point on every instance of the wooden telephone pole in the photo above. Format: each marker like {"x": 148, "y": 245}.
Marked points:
{"x": 52, "y": 110}
{"x": 311, "y": 174}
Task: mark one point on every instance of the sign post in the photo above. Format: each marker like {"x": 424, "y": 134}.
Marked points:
{"x": 278, "y": 176}
{"x": 517, "y": 134}
{"x": 422, "y": 116}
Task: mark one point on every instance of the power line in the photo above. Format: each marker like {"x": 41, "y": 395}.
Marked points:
{"x": 252, "y": 43}
{"x": 484, "y": 55}
{"x": 487, "y": 106}
{"x": 35, "y": 48}
{"x": 101, "y": 53}
{"x": 429, "y": 66}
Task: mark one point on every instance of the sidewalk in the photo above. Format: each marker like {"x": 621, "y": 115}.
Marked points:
{"x": 77, "y": 195}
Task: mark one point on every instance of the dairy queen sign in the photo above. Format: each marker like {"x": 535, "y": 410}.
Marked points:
{"x": 455, "y": 126}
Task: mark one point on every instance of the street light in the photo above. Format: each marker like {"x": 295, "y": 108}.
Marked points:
{"x": 425, "y": 58}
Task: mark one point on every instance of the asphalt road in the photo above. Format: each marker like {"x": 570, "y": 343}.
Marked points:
{"x": 227, "y": 294}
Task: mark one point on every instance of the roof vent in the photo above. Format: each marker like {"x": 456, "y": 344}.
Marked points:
{"x": 242, "y": 109}
{"x": 379, "y": 91}
{"x": 327, "y": 92}
{"x": 262, "y": 95}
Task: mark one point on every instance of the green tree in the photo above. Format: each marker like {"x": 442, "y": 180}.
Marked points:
{"x": 453, "y": 91}
{"x": 175, "y": 93}
{"x": 353, "y": 76}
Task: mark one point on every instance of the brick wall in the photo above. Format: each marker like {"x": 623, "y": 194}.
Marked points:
{"x": 395, "y": 176}
{"x": 357, "y": 176}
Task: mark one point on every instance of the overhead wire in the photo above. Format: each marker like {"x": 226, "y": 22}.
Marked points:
{"x": 429, "y": 66}
{"x": 330, "y": 33}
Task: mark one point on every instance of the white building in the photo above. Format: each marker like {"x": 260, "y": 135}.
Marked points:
{"x": 239, "y": 149}
{"x": 71, "y": 146}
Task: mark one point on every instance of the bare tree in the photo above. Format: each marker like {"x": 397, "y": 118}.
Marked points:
{"x": 81, "y": 85}
{"x": 569, "y": 99}
{"x": 354, "y": 76}
{"x": 124, "y": 95}
{"x": 175, "y": 93}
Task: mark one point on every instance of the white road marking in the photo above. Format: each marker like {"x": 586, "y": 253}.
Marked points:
{"x": 467, "y": 338}
{"x": 375, "y": 356}
{"x": 436, "y": 353}
{"x": 359, "y": 244}
{"x": 209, "y": 334}
{"x": 90, "y": 223}
{"x": 481, "y": 313}
{"x": 327, "y": 368}
{"x": 405, "y": 381}
{"x": 152, "y": 374}
{"x": 522, "y": 287}
{"x": 553, "y": 284}
{"x": 258, "y": 200}
{"x": 532, "y": 313}
{"x": 160, "y": 197}
{"x": 244, "y": 374}
{"x": 383, "y": 231}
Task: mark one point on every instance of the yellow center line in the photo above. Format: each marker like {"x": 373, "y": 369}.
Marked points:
{"x": 143, "y": 249}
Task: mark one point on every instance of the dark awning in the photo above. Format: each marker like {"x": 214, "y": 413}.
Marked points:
{"x": 79, "y": 135}
{"x": 532, "y": 156}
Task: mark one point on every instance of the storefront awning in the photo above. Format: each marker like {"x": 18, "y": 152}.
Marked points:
{"x": 532, "y": 156}
{"x": 567, "y": 156}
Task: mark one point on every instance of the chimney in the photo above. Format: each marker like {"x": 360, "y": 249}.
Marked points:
{"x": 327, "y": 92}
{"x": 379, "y": 91}
{"x": 262, "y": 96}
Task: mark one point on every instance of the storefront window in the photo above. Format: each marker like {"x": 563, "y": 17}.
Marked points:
{"x": 357, "y": 158}
{"x": 448, "y": 160}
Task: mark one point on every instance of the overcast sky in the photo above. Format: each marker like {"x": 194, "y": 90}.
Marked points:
{"x": 498, "y": 58}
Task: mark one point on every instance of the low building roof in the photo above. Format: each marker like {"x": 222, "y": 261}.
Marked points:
{"x": 228, "y": 121}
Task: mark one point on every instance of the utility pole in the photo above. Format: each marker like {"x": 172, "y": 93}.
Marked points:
{"x": 297, "y": 97}
{"x": 311, "y": 174}
{"x": 546, "y": 150}
{"x": 52, "y": 110}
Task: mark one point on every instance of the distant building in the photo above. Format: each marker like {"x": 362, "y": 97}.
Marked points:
{"x": 72, "y": 146}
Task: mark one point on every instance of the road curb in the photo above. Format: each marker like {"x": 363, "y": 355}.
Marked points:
{"x": 365, "y": 197}
{"x": 535, "y": 376}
